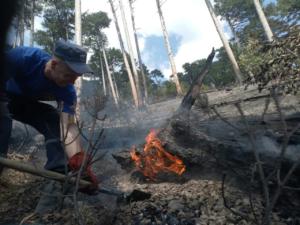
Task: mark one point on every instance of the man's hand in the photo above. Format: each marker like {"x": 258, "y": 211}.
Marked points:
{"x": 75, "y": 163}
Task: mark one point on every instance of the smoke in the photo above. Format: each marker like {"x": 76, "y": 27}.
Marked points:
{"x": 124, "y": 126}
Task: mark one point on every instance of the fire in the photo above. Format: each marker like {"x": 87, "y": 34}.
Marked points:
{"x": 155, "y": 158}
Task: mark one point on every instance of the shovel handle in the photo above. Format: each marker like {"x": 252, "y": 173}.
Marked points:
{"x": 20, "y": 166}
{"x": 25, "y": 167}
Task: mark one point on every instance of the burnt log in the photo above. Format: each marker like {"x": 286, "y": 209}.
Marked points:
{"x": 190, "y": 97}
{"x": 213, "y": 142}
{"x": 222, "y": 136}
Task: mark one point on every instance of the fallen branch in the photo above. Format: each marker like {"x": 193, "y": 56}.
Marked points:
{"x": 190, "y": 97}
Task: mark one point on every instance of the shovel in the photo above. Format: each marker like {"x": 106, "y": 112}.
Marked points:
{"x": 135, "y": 195}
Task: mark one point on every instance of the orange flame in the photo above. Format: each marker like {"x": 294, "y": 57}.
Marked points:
{"x": 155, "y": 158}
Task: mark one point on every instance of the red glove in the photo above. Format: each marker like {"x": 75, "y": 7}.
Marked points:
{"x": 75, "y": 163}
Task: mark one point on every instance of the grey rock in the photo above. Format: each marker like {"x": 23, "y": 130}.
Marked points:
{"x": 175, "y": 205}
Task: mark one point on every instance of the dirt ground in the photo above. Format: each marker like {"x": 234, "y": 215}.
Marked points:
{"x": 196, "y": 198}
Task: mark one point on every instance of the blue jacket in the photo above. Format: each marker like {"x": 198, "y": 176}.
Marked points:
{"x": 26, "y": 67}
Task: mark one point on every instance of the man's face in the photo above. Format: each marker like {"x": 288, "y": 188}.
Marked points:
{"x": 62, "y": 74}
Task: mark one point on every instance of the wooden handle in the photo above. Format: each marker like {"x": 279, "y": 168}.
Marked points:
{"x": 39, "y": 172}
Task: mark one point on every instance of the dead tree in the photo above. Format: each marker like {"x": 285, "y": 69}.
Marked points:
{"x": 20, "y": 26}
{"x": 190, "y": 97}
{"x": 263, "y": 20}
{"x": 32, "y": 23}
{"x": 78, "y": 22}
{"x": 142, "y": 70}
{"x": 112, "y": 87}
{"x": 225, "y": 43}
{"x": 115, "y": 82}
{"x": 127, "y": 66}
{"x": 168, "y": 47}
{"x": 103, "y": 76}
{"x": 78, "y": 39}
{"x": 133, "y": 65}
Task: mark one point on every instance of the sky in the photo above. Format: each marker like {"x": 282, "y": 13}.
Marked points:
{"x": 191, "y": 30}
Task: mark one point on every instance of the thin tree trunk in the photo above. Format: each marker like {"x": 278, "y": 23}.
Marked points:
{"x": 100, "y": 46}
{"x": 168, "y": 47}
{"x": 115, "y": 85}
{"x": 103, "y": 76}
{"x": 32, "y": 23}
{"x": 78, "y": 36}
{"x": 17, "y": 25}
{"x": 78, "y": 40}
{"x": 130, "y": 76}
{"x": 22, "y": 26}
{"x": 133, "y": 66}
{"x": 139, "y": 53}
{"x": 225, "y": 43}
{"x": 110, "y": 79}
{"x": 263, "y": 20}
{"x": 114, "y": 80}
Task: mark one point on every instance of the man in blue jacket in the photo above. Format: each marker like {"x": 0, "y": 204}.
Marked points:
{"x": 36, "y": 76}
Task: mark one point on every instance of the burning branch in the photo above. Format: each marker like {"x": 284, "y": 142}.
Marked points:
{"x": 155, "y": 158}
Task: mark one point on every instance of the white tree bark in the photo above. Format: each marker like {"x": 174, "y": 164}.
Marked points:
{"x": 139, "y": 53}
{"x": 168, "y": 47}
{"x": 128, "y": 40}
{"x": 78, "y": 35}
{"x": 115, "y": 84}
{"x": 225, "y": 42}
{"x": 21, "y": 26}
{"x": 32, "y": 23}
{"x": 103, "y": 77}
{"x": 110, "y": 79}
{"x": 263, "y": 20}
{"x": 130, "y": 76}
{"x": 78, "y": 85}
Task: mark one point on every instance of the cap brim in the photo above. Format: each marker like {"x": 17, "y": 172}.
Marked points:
{"x": 79, "y": 68}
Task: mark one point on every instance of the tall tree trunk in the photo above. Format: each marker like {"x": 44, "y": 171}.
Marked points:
{"x": 22, "y": 25}
{"x": 115, "y": 84}
{"x": 139, "y": 53}
{"x": 114, "y": 79}
{"x": 130, "y": 76}
{"x": 110, "y": 79}
{"x": 17, "y": 25}
{"x": 32, "y": 23}
{"x": 78, "y": 35}
{"x": 168, "y": 47}
{"x": 225, "y": 42}
{"x": 263, "y": 20}
{"x": 78, "y": 40}
{"x": 133, "y": 66}
{"x": 103, "y": 76}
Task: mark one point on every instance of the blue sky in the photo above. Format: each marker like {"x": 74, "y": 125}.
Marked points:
{"x": 155, "y": 53}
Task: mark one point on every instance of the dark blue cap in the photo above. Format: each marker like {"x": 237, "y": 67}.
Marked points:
{"x": 73, "y": 55}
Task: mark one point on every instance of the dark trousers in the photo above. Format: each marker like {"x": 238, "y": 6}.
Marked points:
{"x": 45, "y": 119}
